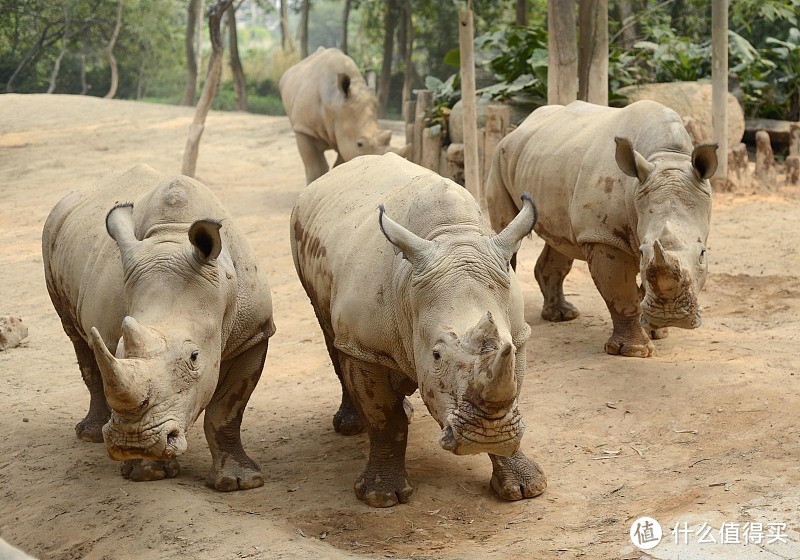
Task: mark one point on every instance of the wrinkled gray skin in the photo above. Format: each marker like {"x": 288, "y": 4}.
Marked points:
{"x": 623, "y": 190}
{"x": 430, "y": 303}
{"x": 169, "y": 315}
{"x": 331, "y": 108}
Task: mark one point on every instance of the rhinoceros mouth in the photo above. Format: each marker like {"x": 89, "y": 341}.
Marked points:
{"x": 470, "y": 434}
{"x": 682, "y": 312}
{"x": 125, "y": 441}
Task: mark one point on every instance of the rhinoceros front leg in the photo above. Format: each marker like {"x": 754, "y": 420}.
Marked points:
{"x": 312, "y": 151}
{"x": 91, "y": 427}
{"x": 551, "y": 269}
{"x": 516, "y": 477}
{"x": 232, "y": 469}
{"x": 384, "y": 481}
{"x": 614, "y": 273}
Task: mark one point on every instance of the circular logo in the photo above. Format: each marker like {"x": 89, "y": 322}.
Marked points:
{"x": 646, "y": 533}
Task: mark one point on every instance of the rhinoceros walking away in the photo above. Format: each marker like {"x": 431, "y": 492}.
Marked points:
{"x": 169, "y": 313}
{"x": 425, "y": 299}
{"x": 640, "y": 205}
{"x": 331, "y": 108}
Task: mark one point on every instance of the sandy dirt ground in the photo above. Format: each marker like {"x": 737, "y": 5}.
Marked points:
{"x": 707, "y": 431}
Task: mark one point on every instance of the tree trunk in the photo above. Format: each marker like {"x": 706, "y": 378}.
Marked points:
{"x": 593, "y": 52}
{"x": 628, "y": 31}
{"x": 198, "y": 49}
{"x": 239, "y": 81}
{"x": 466, "y": 41}
{"x": 719, "y": 84}
{"x": 286, "y": 40}
{"x": 408, "y": 63}
{"x": 522, "y": 13}
{"x": 562, "y": 68}
{"x": 112, "y": 62}
{"x": 192, "y": 16}
{"x": 141, "y": 79}
{"x": 57, "y": 66}
{"x": 384, "y": 82}
{"x": 345, "y": 21}
{"x": 84, "y": 84}
{"x": 209, "y": 88}
{"x": 302, "y": 28}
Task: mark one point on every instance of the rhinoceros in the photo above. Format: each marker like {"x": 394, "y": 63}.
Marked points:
{"x": 169, "y": 313}
{"x": 624, "y": 190}
{"x": 330, "y": 107}
{"x": 422, "y": 300}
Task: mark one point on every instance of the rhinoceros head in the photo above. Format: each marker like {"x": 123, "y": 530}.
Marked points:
{"x": 469, "y": 361}
{"x": 165, "y": 366}
{"x": 356, "y": 125}
{"x": 673, "y": 209}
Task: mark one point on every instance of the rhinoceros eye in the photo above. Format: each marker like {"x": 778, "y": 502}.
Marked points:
{"x": 194, "y": 355}
{"x": 436, "y": 355}
{"x": 702, "y": 256}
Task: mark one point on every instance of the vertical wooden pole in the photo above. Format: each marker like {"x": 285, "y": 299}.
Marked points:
{"x": 562, "y": 67}
{"x": 719, "y": 83}
{"x": 466, "y": 41}
{"x": 593, "y": 52}
{"x": 424, "y": 100}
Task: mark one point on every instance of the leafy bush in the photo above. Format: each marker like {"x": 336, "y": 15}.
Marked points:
{"x": 518, "y": 59}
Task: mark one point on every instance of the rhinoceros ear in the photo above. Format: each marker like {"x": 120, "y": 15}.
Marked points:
{"x": 704, "y": 160}
{"x": 207, "y": 241}
{"x": 509, "y": 240}
{"x": 344, "y": 84}
{"x": 120, "y": 226}
{"x": 414, "y": 248}
{"x": 631, "y": 162}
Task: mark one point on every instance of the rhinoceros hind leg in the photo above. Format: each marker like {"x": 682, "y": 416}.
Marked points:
{"x": 143, "y": 470}
{"x": 384, "y": 481}
{"x": 551, "y": 269}
{"x": 232, "y": 469}
{"x": 614, "y": 274}
{"x": 516, "y": 477}
{"x": 91, "y": 427}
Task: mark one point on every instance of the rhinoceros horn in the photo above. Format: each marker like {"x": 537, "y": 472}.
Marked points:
{"x": 139, "y": 341}
{"x": 502, "y": 386}
{"x": 508, "y": 240}
{"x": 414, "y": 248}
{"x": 124, "y": 387}
{"x": 666, "y": 269}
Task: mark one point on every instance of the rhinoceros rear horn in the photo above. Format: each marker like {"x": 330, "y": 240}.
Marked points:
{"x": 508, "y": 240}
{"x": 120, "y": 226}
{"x": 631, "y": 162}
{"x": 704, "y": 160}
{"x": 205, "y": 237}
{"x": 414, "y": 248}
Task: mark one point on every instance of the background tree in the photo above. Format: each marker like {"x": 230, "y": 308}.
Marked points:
{"x": 302, "y": 28}
{"x": 194, "y": 21}
{"x": 112, "y": 61}
{"x": 390, "y": 17}
{"x": 239, "y": 82}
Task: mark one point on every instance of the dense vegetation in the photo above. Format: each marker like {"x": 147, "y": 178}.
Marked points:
{"x": 61, "y": 46}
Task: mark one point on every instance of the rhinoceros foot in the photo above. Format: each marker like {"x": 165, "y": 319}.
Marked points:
{"x": 143, "y": 470}
{"x": 634, "y": 346}
{"x": 346, "y": 421}
{"x": 657, "y": 334}
{"x": 90, "y": 429}
{"x": 558, "y": 313}
{"x": 235, "y": 475}
{"x": 383, "y": 487}
{"x": 516, "y": 477}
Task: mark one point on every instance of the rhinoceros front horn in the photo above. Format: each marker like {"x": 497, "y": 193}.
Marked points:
{"x": 414, "y": 248}
{"x": 124, "y": 389}
{"x": 502, "y": 386}
{"x": 509, "y": 240}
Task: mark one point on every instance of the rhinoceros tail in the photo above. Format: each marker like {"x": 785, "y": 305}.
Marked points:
{"x": 526, "y": 196}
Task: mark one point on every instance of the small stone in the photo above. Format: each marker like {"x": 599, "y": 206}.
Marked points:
{"x": 25, "y": 420}
{"x": 12, "y": 332}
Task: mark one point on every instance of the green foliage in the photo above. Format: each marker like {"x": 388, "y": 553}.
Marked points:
{"x": 518, "y": 59}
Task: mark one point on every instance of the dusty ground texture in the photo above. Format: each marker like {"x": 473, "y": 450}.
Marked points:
{"x": 706, "y": 431}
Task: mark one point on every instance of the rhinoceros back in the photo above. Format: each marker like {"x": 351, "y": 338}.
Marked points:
{"x": 345, "y": 263}
{"x": 564, "y": 156}
{"x": 82, "y": 263}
